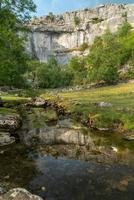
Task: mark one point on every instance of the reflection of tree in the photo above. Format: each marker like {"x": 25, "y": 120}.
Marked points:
{"x": 16, "y": 168}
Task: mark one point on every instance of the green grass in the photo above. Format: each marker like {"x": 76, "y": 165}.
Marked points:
{"x": 12, "y": 101}
{"x": 13, "y": 98}
{"x": 7, "y": 111}
{"x": 121, "y": 96}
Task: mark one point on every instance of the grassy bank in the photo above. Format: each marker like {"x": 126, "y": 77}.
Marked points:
{"x": 84, "y": 102}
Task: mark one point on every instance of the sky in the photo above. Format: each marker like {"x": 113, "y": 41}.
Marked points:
{"x": 61, "y": 6}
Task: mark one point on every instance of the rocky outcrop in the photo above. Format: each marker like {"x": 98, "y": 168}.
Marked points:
{"x": 9, "y": 123}
{"x": 19, "y": 194}
{"x": 60, "y": 36}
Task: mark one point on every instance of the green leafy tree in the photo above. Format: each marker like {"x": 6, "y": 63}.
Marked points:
{"x": 47, "y": 75}
{"x": 20, "y": 8}
{"x": 78, "y": 68}
{"x": 105, "y": 58}
{"x": 12, "y": 54}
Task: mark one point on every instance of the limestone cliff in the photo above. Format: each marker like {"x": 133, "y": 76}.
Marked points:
{"x": 60, "y": 36}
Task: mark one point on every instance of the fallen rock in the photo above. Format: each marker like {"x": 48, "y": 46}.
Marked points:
{"x": 104, "y": 104}
{"x": 38, "y": 102}
{"x": 19, "y": 194}
{"x": 9, "y": 123}
{"x": 6, "y": 139}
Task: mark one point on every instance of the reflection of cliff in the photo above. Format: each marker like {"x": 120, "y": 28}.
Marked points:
{"x": 62, "y": 37}
{"x": 49, "y": 136}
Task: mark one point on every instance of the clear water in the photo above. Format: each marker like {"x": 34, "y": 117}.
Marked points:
{"x": 69, "y": 172}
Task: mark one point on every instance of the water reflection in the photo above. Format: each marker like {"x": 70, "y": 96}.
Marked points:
{"x": 70, "y": 179}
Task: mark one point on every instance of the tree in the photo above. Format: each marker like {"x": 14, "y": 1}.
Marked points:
{"x": 105, "y": 58}
{"x": 78, "y": 68}
{"x": 20, "y": 8}
{"x": 47, "y": 75}
{"x": 13, "y": 59}
{"x": 12, "y": 54}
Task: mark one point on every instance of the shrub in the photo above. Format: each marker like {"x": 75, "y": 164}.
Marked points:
{"x": 77, "y": 21}
{"x": 84, "y": 46}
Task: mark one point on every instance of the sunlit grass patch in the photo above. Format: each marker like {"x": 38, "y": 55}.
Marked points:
{"x": 85, "y": 102}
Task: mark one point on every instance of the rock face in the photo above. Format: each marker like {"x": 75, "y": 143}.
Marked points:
{"x": 60, "y": 36}
{"x": 19, "y": 194}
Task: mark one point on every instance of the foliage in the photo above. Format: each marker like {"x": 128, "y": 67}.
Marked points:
{"x": 124, "y": 29}
{"x": 47, "y": 75}
{"x": 104, "y": 59}
{"x": 77, "y": 66}
{"x": 77, "y": 21}
{"x": 12, "y": 54}
{"x": 50, "y": 17}
{"x": 20, "y": 8}
{"x": 84, "y": 46}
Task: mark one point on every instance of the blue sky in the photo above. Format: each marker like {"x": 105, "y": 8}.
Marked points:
{"x": 60, "y": 6}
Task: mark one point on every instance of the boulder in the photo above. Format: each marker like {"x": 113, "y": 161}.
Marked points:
{"x": 19, "y": 194}
{"x": 9, "y": 123}
{"x": 37, "y": 102}
{"x": 6, "y": 139}
{"x": 104, "y": 104}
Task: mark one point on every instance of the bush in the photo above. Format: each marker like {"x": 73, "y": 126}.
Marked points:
{"x": 77, "y": 67}
{"x": 104, "y": 59}
{"x": 84, "y": 46}
{"x": 47, "y": 75}
{"x": 77, "y": 21}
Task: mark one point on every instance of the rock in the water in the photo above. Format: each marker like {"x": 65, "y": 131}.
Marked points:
{"x": 104, "y": 104}
{"x": 5, "y": 139}
{"x": 129, "y": 137}
{"x": 19, "y": 194}
{"x": 8, "y": 122}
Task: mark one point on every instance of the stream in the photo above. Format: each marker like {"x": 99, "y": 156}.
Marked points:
{"x": 59, "y": 159}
